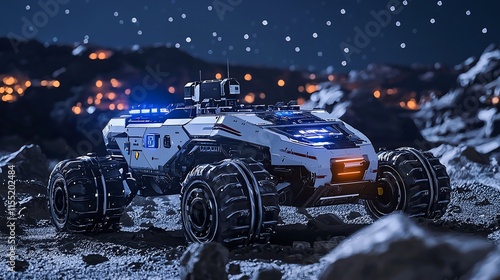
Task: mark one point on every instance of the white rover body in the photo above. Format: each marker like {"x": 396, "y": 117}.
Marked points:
{"x": 233, "y": 165}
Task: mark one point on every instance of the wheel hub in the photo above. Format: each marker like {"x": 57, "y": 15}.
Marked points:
{"x": 389, "y": 199}
{"x": 198, "y": 213}
{"x": 59, "y": 201}
{"x": 199, "y": 217}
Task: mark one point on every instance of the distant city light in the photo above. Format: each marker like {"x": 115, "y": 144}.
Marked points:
{"x": 250, "y": 98}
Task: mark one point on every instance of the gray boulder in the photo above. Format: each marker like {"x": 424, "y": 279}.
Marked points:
{"x": 204, "y": 262}
{"x": 397, "y": 248}
{"x": 29, "y": 164}
{"x": 489, "y": 269}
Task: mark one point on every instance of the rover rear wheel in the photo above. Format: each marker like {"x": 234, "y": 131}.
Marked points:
{"x": 413, "y": 182}
{"x": 233, "y": 202}
{"x": 85, "y": 195}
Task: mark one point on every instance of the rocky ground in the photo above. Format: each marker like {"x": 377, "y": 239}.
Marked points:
{"x": 309, "y": 243}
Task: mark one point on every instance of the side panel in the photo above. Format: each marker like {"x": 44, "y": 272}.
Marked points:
{"x": 158, "y": 146}
{"x": 201, "y": 126}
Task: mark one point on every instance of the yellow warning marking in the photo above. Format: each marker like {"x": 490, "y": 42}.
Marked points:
{"x": 380, "y": 191}
{"x": 136, "y": 155}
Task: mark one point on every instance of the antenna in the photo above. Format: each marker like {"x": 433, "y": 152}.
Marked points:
{"x": 200, "y": 76}
{"x": 227, "y": 61}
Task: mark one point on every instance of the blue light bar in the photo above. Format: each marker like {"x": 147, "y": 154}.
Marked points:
{"x": 148, "y": 111}
{"x": 284, "y": 113}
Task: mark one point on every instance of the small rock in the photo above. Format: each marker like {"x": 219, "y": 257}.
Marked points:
{"x": 483, "y": 202}
{"x": 337, "y": 239}
{"x": 234, "y": 269}
{"x": 126, "y": 220}
{"x": 471, "y": 154}
{"x": 94, "y": 259}
{"x": 324, "y": 220}
{"x": 34, "y": 210}
{"x": 301, "y": 245}
{"x": 270, "y": 273}
{"x": 463, "y": 189}
{"x": 489, "y": 268}
{"x": 135, "y": 265}
{"x": 455, "y": 209}
{"x": 67, "y": 247}
{"x": 312, "y": 259}
{"x": 147, "y": 215}
{"x": 204, "y": 261}
{"x": 323, "y": 247}
{"x": 171, "y": 212}
{"x": 295, "y": 258}
{"x": 21, "y": 265}
{"x": 353, "y": 215}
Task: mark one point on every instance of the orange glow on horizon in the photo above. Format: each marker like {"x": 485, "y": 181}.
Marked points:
{"x": 412, "y": 104}
{"x": 250, "y": 98}
{"x": 311, "y": 88}
{"x": 9, "y": 80}
{"x": 76, "y": 110}
{"x": 111, "y": 96}
{"x": 115, "y": 83}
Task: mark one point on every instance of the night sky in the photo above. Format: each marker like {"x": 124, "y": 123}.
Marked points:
{"x": 305, "y": 35}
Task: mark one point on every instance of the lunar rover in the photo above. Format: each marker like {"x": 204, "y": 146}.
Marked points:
{"x": 233, "y": 165}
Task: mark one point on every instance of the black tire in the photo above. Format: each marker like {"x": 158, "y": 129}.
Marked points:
{"x": 233, "y": 202}
{"x": 413, "y": 182}
{"x": 87, "y": 195}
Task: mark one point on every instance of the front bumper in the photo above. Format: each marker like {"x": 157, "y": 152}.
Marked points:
{"x": 340, "y": 193}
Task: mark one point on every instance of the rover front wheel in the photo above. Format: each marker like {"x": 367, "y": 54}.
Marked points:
{"x": 233, "y": 202}
{"x": 411, "y": 181}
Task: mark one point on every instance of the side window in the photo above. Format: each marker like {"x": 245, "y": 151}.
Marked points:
{"x": 166, "y": 141}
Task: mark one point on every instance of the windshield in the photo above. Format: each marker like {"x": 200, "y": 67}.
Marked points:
{"x": 330, "y": 136}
